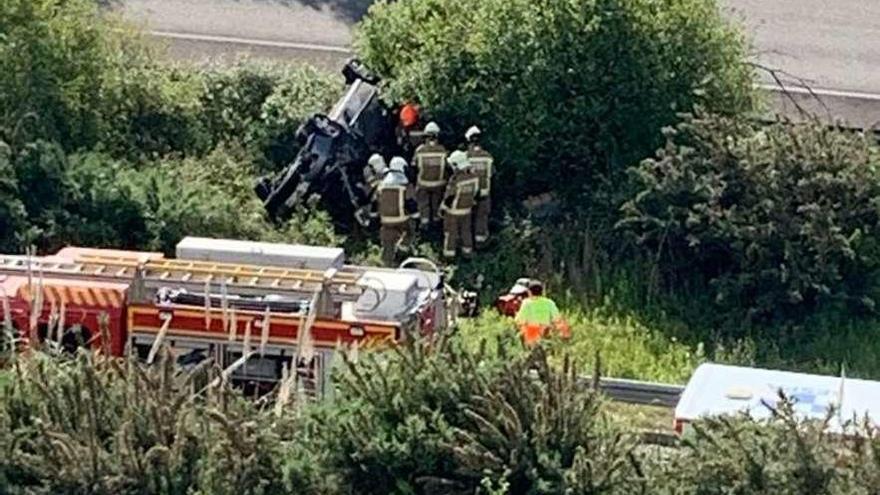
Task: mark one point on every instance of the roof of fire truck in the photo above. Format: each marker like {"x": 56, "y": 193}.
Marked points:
{"x": 260, "y": 272}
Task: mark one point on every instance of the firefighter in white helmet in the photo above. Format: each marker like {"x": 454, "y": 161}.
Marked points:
{"x": 482, "y": 163}
{"x": 458, "y": 204}
{"x": 430, "y": 162}
{"x": 397, "y": 208}
{"x": 373, "y": 173}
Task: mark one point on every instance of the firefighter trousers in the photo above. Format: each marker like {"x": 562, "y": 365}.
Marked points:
{"x": 481, "y": 219}
{"x": 429, "y": 199}
{"x": 457, "y": 232}
{"x": 392, "y": 236}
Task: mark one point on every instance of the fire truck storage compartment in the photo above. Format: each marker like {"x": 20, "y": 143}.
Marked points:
{"x": 260, "y": 253}
{"x": 389, "y": 295}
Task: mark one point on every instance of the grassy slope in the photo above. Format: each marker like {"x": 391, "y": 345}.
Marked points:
{"x": 627, "y": 348}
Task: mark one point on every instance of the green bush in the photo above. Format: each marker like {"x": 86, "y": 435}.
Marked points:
{"x": 92, "y": 425}
{"x": 92, "y": 199}
{"x": 261, "y": 105}
{"x": 52, "y": 60}
{"x": 779, "y": 220}
{"x": 151, "y": 110}
{"x": 435, "y": 417}
{"x": 785, "y": 455}
{"x": 13, "y": 215}
{"x": 569, "y": 92}
{"x": 212, "y": 196}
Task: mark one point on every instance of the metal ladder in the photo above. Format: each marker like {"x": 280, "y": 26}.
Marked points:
{"x": 243, "y": 279}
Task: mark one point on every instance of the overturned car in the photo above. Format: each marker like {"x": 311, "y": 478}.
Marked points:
{"x": 334, "y": 151}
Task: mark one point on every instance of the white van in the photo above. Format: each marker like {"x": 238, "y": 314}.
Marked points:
{"x": 716, "y": 389}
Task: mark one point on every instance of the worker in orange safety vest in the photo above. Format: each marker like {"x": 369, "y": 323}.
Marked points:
{"x": 538, "y": 315}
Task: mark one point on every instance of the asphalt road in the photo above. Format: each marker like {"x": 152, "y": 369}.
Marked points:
{"x": 831, "y": 45}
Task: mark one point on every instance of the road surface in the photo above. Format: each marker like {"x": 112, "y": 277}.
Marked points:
{"x": 831, "y": 45}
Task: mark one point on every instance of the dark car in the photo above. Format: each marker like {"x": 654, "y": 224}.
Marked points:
{"x": 335, "y": 150}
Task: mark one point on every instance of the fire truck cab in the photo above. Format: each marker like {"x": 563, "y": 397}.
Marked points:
{"x": 222, "y": 299}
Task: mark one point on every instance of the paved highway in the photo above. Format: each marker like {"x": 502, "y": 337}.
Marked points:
{"x": 832, "y": 45}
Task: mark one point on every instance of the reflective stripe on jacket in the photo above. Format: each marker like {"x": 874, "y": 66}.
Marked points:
{"x": 430, "y": 159}
{"x": 482, "y": 164}
{"x": 461, "y": 193}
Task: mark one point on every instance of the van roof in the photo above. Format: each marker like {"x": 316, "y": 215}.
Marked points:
{"x": 716, "y": 389}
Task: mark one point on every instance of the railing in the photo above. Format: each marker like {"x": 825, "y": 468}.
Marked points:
{"x": 637, "y": 392}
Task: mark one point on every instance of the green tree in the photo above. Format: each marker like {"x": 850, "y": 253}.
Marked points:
{"x": 13, "y": 216}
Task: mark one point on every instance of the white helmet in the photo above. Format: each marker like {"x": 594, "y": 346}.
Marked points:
{"x": 473, "y": 131}
{"x": 398, "y": 164}
{"x": 459, "y": 160}
{"x": 432, "y": 129}
{"x": 377, "y": 162}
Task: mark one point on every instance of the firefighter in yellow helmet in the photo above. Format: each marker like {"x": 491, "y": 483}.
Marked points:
{"x": 396, "y": 210}
{"x": 430, "y": 161}
{"x": 458, "y": 204}
{"x": 482, "y": 163}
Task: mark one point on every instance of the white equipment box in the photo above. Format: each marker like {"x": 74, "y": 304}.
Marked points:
{"x": 260, "y": 253}
{"x": 388, "y": 296}
{"x": 716, "y": 389}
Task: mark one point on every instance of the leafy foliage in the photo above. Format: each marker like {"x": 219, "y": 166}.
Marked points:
{"x": 783, "y": 455}
{"x": 777, "y": 219}
{"x": 570, "y": 92}
{"x": 628, "y": 347}
{"x": 433, "y": 417}
{"x": 97, "y": 425}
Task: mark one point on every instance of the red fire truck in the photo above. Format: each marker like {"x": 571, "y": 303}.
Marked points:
{"x": 220, "y": 299}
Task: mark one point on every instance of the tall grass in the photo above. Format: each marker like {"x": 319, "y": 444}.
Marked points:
{"x": 627, "y": 347}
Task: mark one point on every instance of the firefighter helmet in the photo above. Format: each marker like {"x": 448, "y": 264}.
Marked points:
{"x": 398, "y": 164}
{"x": 459, "y": 160}
{"x": 432, "y": 129}
{"x": 377, "y": 162}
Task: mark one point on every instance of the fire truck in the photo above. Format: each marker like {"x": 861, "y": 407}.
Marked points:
{"x": 220, "y": 299}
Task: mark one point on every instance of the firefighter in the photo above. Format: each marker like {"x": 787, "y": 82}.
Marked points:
{"x": 458, "y": 204}
{"x": 396, "y": 210}
{"x": 373, "y": 173}
{"x": 482, "y": 164}
{"x": 538, "y": 315}
{"x": 430, "y": 161}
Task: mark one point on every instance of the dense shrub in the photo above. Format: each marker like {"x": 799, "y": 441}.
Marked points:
{"x": 13, "y": 215}
{"x": 151, "y": 109}
{"x": 93, "y": 199}
{"x": 568, "y": 91}
{"x": 784, "y": 455}
{"x": 53, "y": 57}
{"x": 261, "y": 105}
{"x": 102, "y": 426}
{"x": 432, "y": 417}
{"x": 777, "y": 219}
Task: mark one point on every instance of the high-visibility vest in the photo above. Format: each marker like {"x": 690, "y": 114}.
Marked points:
{"x": 482, "y": 164}
{"x": 536, "y": 316}
{"x": 430, "y": 160}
